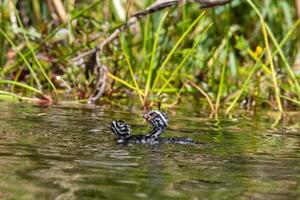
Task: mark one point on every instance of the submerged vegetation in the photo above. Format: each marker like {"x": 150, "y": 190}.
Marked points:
{"x": 243, "y": 53}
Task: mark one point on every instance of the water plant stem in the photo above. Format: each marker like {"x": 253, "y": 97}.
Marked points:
{"x": 28, "y": 44}
{"x": 253, "y": 70}
{"x": 221, "y": 85}
{"x": 140, "y": 92}
{"x": 153, "y": 56}
{"x": 174, "y": 73}
{"x": 265, "y": 35}
{"x": 130, "y": 67}
{"x": 181, "y": 39}
{"x": 22, "y": 85}
{"x": 51, "y": 34}
{"x": 32, "y": 72}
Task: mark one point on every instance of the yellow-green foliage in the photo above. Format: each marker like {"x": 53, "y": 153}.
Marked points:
{"x": 242, "y": 50}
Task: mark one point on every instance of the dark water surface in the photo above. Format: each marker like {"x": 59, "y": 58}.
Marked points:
{"x": 63, "y": 152}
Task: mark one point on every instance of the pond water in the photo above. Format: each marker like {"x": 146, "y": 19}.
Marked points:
{"x": 68, "y": 152}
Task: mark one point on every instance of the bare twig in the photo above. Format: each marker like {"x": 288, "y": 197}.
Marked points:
{"x": 102, "y": 72}
{"x": 207, "y": 97}
{"x": 213, "y": 110}
{"x": 211, "y": 3}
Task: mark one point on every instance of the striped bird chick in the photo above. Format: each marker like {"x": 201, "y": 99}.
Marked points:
{"x": 159, "y": 122}
{"x": 122, "y": 131}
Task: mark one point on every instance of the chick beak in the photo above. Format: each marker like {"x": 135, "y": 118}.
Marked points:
{"x": 146, "y": 117}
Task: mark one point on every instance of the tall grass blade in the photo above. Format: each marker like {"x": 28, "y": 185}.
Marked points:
{"x": 287, "y": 65}
{"x": 265, "y": 35}
{"x": 221, "y": 85}
{"x": 14, "y": 97}
{"x": 28, "y": 44}
{"x": 22, "y": 85}
{"x": 140, "y": 92}
{"x": 181, "y": 39}
{"x": 154, "y": 49}
{"x": 130, "y": 68}
{"x": 253, "y": 70}
{"x": 52, "y": 33}
{"x": 291, "y": 100}
{"x": 23, "y": 58}
{"x": 174, "y": 73}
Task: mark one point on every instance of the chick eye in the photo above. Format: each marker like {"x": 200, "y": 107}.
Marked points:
{"x": 121, "y": 123}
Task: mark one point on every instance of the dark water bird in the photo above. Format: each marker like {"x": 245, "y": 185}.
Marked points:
{"x": 123, "y": 133}
{"x": 158, "y": 121}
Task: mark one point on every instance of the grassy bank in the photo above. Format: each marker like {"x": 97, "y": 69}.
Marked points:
{"x": 243, "y": 54}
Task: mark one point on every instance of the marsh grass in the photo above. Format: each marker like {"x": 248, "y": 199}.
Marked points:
{"x": 172, "y": 54}
{"x": 30, "y": 47}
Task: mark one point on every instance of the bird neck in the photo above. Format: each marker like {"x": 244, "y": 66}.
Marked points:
{"x": 155, "y": 132}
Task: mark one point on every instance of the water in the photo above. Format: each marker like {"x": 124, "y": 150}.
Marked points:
{"x": 63, "y": 152}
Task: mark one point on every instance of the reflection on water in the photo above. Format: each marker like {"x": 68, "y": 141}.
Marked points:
{"x": 69, "y": 153}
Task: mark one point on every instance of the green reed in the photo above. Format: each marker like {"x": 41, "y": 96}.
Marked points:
{"x": 170, "y": 55}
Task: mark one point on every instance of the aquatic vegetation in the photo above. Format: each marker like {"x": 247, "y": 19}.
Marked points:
{"x": 241, "y": 54}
